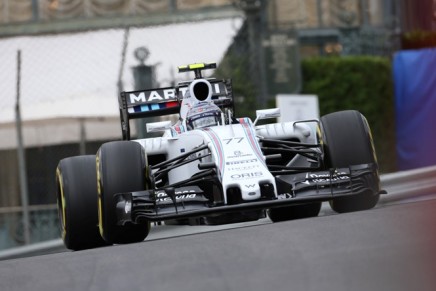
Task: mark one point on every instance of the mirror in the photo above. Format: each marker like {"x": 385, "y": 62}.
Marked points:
{"x": 158, "y": 126}
{"x": 267, "y": 113}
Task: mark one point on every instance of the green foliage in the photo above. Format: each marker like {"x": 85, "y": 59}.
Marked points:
{"x": 235, "y": 68}
{"x": 361, "y": 83}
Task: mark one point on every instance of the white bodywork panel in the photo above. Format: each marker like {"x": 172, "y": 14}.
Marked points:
{"x": 287, "y": 130}
{"x": 235, "y": 150}
{"x": 239, "y": 159}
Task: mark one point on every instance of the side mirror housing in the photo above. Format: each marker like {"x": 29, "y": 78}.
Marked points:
{"x": 267, "y": 113}
{"x": 158, "y": 126}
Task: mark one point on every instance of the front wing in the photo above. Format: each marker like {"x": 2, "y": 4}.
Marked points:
{"x": 298, "y": 188}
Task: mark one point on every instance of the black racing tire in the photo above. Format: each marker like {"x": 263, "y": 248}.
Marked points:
{"x": 121, "y": 167}
{"x": 348, "y": 141}
{"x": 294, "y": 212}
{"x": 76, "y": 193}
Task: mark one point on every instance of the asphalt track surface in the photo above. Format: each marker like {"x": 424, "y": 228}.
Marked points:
{"x": 387, "y": 248}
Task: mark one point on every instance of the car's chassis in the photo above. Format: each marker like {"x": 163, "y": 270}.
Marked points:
{"x": 299, "y": 170}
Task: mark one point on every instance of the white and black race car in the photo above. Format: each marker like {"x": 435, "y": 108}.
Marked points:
{"x": 210, "y": 167}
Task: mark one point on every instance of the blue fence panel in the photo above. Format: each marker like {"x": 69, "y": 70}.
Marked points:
{"x": 415, "y": 101}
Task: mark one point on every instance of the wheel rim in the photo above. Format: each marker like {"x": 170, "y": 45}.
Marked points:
{"x": 61, "y": 203}
{"x": 100, "y": 202}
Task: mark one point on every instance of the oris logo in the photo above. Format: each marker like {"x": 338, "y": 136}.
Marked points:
{"x": 246, "y": 175}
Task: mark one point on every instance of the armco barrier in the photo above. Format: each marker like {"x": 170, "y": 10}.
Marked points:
{"x": 47, "y": 247}
{"x": 408, "y": 184}
{"x": 400, "y": 186}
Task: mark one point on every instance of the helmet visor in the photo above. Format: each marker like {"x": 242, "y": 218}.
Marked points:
{"x": 204, "y": 122}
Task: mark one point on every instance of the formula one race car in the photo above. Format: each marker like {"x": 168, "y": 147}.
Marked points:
{"x": 209, "y": 167}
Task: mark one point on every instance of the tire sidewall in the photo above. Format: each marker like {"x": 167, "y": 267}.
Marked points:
{"x": 347, "y": 140}
{"x": 121, "y": 168}
{"x": 77, "y": 202}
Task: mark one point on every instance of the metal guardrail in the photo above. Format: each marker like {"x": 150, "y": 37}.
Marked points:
{"x": 408, "y": 184}
{"x": 43, "y": 222}
{"x": 48, "y": 247}
{"x": 401, "y": 186}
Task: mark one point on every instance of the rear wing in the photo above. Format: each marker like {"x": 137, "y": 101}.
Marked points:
{"x": 165, "y": 101}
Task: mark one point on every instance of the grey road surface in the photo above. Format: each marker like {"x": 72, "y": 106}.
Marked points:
{"x": 388, "y": 248}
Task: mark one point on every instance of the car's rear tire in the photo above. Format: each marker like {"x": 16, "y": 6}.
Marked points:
{"x": 121, "y": 167}
{"x": 348, "y": 141}
{"x": 76, "y": 192}
{"x": 294, "y": 212}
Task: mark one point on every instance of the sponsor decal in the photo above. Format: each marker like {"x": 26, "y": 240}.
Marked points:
{"x": 243, "y": 168}
{"x": 320, "y": 178}
{"x": 248, "y": 175}
{"x": 238, "y": 154}
{"x": 165, "y": 95}
{"x": 241, "y": 162}
{"x": 180, "y": 192}
{"x": 216, "y": 88}
{"x": 180, "y": 195}
{"x": 154, "y": 96}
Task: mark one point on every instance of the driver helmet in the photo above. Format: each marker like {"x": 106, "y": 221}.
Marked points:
{"x": 203, "y": 115}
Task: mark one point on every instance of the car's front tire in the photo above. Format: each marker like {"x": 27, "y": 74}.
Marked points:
{"x": 76, "y": 192}
{"x": 348, "y": 141}
{"x": 121, "y": 168}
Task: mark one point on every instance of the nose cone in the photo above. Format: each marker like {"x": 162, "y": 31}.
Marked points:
{"x": 250, "y": 190}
